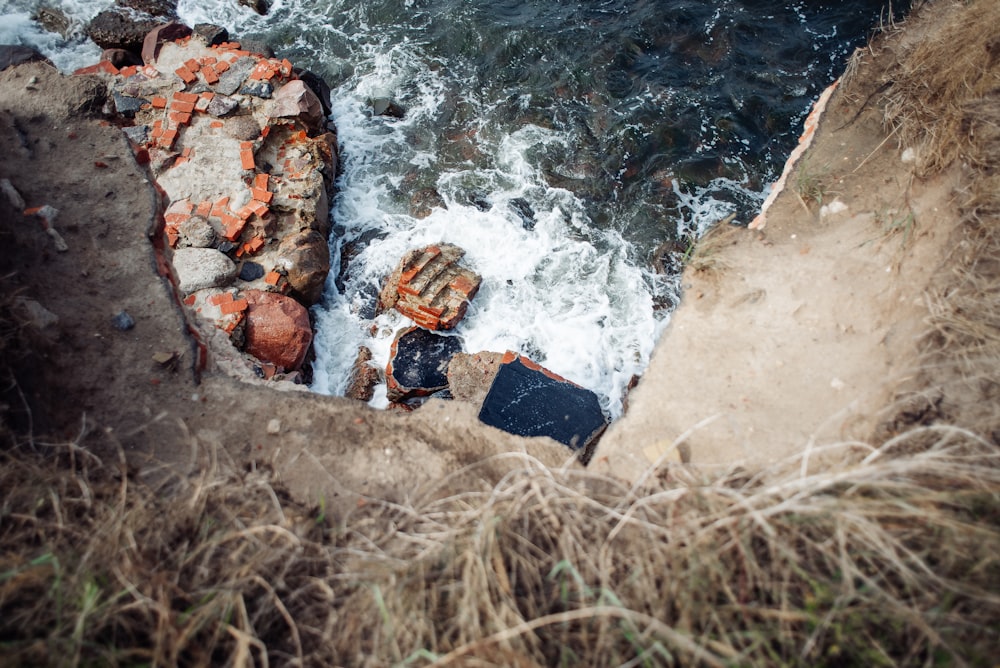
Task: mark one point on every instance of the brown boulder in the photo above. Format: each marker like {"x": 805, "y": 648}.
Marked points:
{"x": 277, "y": 329}
{"x": 306, "y": 258}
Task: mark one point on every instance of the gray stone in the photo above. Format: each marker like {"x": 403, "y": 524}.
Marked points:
{"x": 195, "y": 232}
{"x": 244, "y": 128}
{"x": 120, "y": 28}
{"x": 261, "y": 89}
{"x": 54, "y": 20}
{"x": 137, "y": 134}
{"x": 123, "y": 321}
{"x": 296, "y": 100}
{"x": 221, "y": 106}
{"x": 211, "y": 33}
{"x": 11, "y": 55}
{"x": 200, "y": 268}
{"x": 259, "y": 6}
{"x": 126, "y": 105}
{"x": 231, "y": 80}
{"x": 251, "y": 271}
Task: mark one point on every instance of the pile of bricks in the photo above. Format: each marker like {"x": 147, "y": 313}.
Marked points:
{"x": 431, "y": 288}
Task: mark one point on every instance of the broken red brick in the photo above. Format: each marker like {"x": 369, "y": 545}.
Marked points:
{"x": 245, "y": 212}
{"x": 221, "y": 298}
{"x": 202, "y": 104}
{"x": 102, "y": 66}
{"x": 259, "y": 208}
{"x": 211, "y": 76}
{"x": 217, "y": 124}
{"x": 261, "y": 195}
{"x": 204, "y": 209}
{"x": 260, "y": 181}
{"x": 181, "y": 96}
{"x": 179, "y": 118}
{"x": 265, "y": 131}
{"x": 168, "y": 138}
{"x": 234, "y": 306}
{"x": 221, "y": 66}
{"x": 189, "y": 300}
{"x": 254, "y": 244}
{"x": 159, "y": 102}
{"x": 192, "y": 64}
{"x": 182, "y": 106}
{"x": 100, "y": 165}
{"x": 246, "y": 159}
{"x": 186, "y": 75}
{"x": 128, "y": 71}
{"x": 272, "y": 278}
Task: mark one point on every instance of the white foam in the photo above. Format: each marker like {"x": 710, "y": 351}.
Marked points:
{"x": 66, "y": 53}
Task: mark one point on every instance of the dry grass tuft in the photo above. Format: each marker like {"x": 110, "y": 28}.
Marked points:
{"x": 893, "y": 557}
{"x": 939, "y": 82}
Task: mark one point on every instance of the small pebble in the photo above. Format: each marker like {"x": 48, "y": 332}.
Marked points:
{"x": 274, "y": 426}
{"x": 123, "y": 322}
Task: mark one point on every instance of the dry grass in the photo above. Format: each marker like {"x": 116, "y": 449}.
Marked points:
{"x": 891, "y": 558}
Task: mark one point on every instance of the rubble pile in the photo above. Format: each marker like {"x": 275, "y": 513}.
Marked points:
{"x": 239, "y": 147}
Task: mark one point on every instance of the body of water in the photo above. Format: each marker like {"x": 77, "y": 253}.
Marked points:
{"x": 559, "y": 143}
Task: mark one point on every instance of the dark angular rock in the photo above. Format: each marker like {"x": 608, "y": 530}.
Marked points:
{"x": 383, "y": 106}
{"x": 118, "y": 28}
{"x": 260, "y": 47}
{"x": 231, "y": 80}
{"x": 157, "y": 36}
{"x": 211, "y": 33}
{"x": 418, "y": 363}
{"x": 11, "y": 55}
{"x": 259, "y": 6}
{"x": 127, "y": 106}
{"x": 524, "y": 212}
{"x": 261, "y": 89}
{"x": 528, "y": 400}
{"x": 137, "y": 134}
{"x": 167, "y": 8}
{"x": 424, "y": 201}
{"x": 251, "y": 271}
{"x": 364, "y": 377}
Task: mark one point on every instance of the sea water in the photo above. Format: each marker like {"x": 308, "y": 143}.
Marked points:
{"x": 564, "y": 142}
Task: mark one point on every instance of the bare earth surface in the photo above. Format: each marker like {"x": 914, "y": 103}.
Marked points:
{"x": 794, "y": 336}
{"x": 785, "y": 339}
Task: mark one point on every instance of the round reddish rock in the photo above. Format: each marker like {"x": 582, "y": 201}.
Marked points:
{"x": 277, "y": 329}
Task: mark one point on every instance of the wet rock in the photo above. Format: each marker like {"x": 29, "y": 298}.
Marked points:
{"x": 158, "y": 35}
{"x": 11, "y": 55}
{"x": 120, "y": 57}
{"x": 126, "y": 105}
{"x": 528, "y": 400}
{"x": 296, "y": 100}
{"x": 523, "y": 209}
{"x": 211, "y": 33}
{"x": 231, "y": 80}
{"x": 363, "y": 378}
{"x": 418, "y": 363}
{"x": 425, "y": 200}
{"x": 119, "y": 28}
{"x": 277, "y": 329}
{"x": 251, "y": 271}
{"x": 54, "y": 20}
{"x": 159, "y": 8}
{"x": 200, "y": 268}
{"x": 470, "y": 376}
{"x": 430, "y": 287}
{"x": 259, "y": 6}
{"x": 259, "y": 47}
{"x": 305, "y": 256}
{"x": 319, "y": 87}
{"x": 195, "y": 232}
{"x": 383, "y": 106}
{"x": 221, "y": 106}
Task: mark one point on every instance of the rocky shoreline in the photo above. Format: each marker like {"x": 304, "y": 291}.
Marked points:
{"x": 238, "y": 145}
